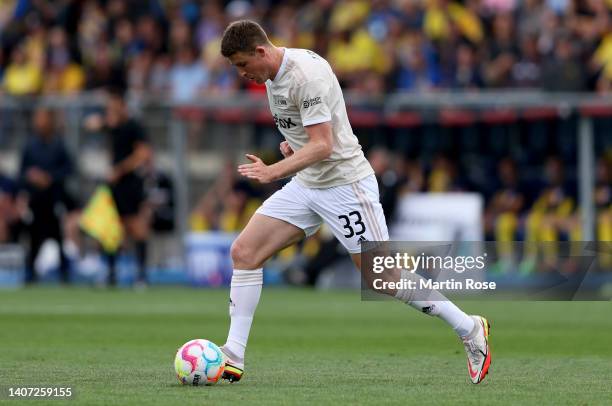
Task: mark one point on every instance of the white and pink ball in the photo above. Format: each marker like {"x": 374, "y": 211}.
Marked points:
{"x": 199, "y": 362}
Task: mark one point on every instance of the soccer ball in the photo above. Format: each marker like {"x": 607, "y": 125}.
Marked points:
{"x": 199, "y": 362}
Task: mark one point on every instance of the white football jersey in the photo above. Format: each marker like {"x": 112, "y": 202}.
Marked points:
{"x": 304, "y": 92}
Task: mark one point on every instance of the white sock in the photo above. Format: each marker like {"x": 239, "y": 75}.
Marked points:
{"x": 244, "y": 295}
{"x": 447, "y": 311}
{"x": 438, "y": 305}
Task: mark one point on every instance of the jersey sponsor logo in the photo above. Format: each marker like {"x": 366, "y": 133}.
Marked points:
{"x": 283, "y": 122}
{"x": 311, "y": 102}
{"x": 279, "y": 100}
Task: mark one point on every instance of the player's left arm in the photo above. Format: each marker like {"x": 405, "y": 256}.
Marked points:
{"x": 318, "y": 148}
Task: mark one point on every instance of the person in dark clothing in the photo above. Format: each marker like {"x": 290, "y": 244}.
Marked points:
{"x": 563, "y": 72}
{"x": 11, "y": 210}
{"x": 131, "y": 152}
{"x": 45, "y": 166}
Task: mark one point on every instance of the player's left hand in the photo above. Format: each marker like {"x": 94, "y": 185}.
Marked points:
{"x": 256, "y": 170}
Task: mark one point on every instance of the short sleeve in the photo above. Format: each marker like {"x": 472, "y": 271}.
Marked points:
{"x": 138, "y": 132}
{"x": 313, "y": 101}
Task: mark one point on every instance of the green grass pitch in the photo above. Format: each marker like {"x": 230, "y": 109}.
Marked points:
{"x": 117, "y": 348}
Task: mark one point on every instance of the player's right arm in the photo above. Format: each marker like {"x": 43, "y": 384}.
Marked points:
{"x": 318, "y": 148}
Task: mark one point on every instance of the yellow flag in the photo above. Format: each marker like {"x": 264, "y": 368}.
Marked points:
{"x": 101, "y": 220}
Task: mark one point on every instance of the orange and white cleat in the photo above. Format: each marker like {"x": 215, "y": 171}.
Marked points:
{"x": 477, "y": 349}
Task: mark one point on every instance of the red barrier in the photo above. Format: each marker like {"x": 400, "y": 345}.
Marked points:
{"x": 264, "y": 117}
{"x": 540, "y": 113}
{"x": 596, "y": 110}
{"x": 228, "y": 116}
{"x": 498, "y": 117}
{"x": 456, "y": 118}
{"x": 404, "y": 119}
{"x": 189, "y": 113}
{"x": 364, "y": 119}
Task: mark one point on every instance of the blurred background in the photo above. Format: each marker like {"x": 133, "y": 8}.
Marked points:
{"x": 483, "y": 119}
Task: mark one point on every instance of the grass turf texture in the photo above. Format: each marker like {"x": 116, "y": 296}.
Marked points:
{"x": 117, "y": 348}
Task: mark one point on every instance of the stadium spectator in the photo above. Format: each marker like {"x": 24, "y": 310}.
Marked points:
{"x": 529, "y": 17}
{"x": 549, "y": 215}
{"x": 12, "y": 209}
{"x": 444, "y": 176}
{"x": 603, "y": 202}
{"x": 104, "y": 72}
{"x": 527, "y": 71}
{"x": 389, "y": 181}
{"x": 45, "y": 167}
{"x": 180, "y": 35}
{"x": 227, "y": 205}
{"x": 64, "y": 75}
{"x": 188, "y": 77}
{"x": 1, "y": 66}
{"x": 22, "y": 76}
{"x": 160, "y": 76}
{"x": 210, "y": 25}
{"x": 222, "y": 81}
{"x": 564, "y": 73}
{"x": 506, "y": 203}
{"x": 503, "y": 213}
{"x": 603, "y": 199}
{"x": 602, "y": 64}
{"x": 467, "y": 74}
{"x": 139, "y": 73}
{"x": 443, "y": 19}
{"x": 417, "y": 66}
{"x": 502, "y": 52}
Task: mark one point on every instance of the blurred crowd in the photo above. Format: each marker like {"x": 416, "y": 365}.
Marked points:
{"x": 171, "y": 47}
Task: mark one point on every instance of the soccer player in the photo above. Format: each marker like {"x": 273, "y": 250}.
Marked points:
{"x": 333, "y": 183}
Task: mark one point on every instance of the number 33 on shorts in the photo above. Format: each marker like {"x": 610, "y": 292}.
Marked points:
{"x": 349, "y": 226}
{"x": 353, "y": 212}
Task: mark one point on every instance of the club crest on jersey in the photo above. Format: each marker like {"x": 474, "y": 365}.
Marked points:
{"x": 311, "y": 102}
{"x": 283, "y": 122}
{"x": 279, "y": 100}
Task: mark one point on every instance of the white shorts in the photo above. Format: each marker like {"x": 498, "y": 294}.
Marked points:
{"x": 353, "y": 211}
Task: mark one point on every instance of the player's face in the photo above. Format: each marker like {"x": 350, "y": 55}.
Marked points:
{"x": 251, "y": 65}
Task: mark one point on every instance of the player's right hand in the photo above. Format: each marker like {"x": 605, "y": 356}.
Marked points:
{"x": 285, "y": 149}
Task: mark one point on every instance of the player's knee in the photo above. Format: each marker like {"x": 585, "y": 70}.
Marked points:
{"x": 243, "y": 256}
